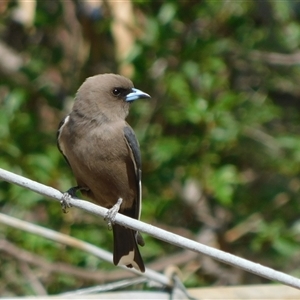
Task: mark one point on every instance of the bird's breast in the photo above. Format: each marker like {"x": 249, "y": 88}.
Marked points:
{"x": 101, "y": 161}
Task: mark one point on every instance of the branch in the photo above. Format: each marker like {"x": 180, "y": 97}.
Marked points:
{"x": 32, "y": 279}
{"x": 122, "y": 31}
{"x": 157, "y": 233}
{"x": 75, "y": 243}
{"x": 58, "y": 267}
{"x": 274, "y": 58}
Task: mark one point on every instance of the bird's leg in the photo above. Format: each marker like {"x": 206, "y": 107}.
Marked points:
{"x": 70, "y": 193}
{"x": 111, "y": 214}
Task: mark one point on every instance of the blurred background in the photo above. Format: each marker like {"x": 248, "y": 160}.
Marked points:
{"x": 219, "y": 138}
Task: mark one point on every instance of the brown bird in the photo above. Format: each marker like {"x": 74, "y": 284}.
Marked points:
{"x": 104, "y": 155}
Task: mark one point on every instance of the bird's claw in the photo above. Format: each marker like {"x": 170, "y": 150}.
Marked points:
{"x": 70, "y": 193}
{"x": 65, "y": 202}
{"x": 111, "y": 214}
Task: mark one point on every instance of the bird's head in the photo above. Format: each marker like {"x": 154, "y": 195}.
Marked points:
{"x": 107, "y": 95}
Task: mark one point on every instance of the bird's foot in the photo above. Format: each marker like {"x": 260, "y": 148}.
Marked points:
{"x": 70, "y": 193}
{"x": 65, "y": 202}
{"x": 111, "y": 214}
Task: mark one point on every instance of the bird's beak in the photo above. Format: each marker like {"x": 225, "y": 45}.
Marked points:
{"x": 135, "y": 95}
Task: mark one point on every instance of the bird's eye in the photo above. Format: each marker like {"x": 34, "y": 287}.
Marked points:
{"x": 116, "y": 91}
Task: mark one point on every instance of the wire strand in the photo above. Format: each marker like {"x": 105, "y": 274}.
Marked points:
{"x": 158, "y": 233}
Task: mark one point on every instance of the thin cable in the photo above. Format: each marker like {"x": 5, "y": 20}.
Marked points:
{"x": 157, "y": 232}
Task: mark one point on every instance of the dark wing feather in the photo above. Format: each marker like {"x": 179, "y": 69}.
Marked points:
{"x": 134, "y": 148}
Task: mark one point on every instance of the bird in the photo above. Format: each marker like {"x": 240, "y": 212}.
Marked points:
{"x": 104, "y": 155}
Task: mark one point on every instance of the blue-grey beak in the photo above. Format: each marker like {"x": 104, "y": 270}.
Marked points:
{"x": 135, "y": 95}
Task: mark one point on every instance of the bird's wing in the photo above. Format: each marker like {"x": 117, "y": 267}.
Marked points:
{"x": 135, "y": 154}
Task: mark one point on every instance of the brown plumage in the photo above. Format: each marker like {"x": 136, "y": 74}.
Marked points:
{"x": 104, "y": 154}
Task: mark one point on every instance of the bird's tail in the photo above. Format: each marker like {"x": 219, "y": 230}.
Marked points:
{"x": 126, "y": 251}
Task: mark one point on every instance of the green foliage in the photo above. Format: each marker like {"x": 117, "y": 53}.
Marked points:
{"x": 224, "y": 114}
